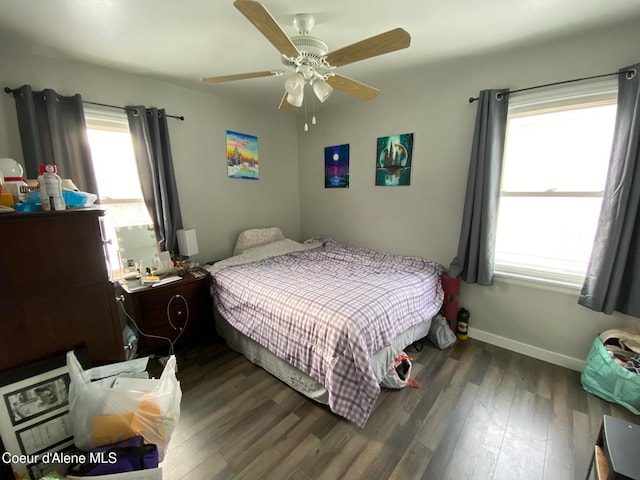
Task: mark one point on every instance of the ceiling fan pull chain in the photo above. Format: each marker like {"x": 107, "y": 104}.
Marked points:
{"x": 313, "y": 109}
{"x": 306, "y": 125}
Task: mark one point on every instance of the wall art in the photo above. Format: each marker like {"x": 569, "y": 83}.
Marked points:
{"x": 336, "y": 166}
{"x": 393, "y": 160}
{"x": 242, "y": 156}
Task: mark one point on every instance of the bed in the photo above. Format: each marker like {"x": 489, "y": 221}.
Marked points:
{"x": 326, "y": 318}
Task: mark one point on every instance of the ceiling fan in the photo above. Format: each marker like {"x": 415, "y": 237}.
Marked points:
{"x": 307, "y": 59}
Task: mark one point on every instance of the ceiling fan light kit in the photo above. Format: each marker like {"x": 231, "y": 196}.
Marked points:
{"x": 322, "y": 89}
{"x": 308, "y": 58}
{"x": 295, "y": 100}
{"x": 294, "y": 83}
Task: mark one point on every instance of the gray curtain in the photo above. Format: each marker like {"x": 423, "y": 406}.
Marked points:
{"x": 612, "y": 282}
{"x": 150, "y": 136}
{"x": 53, "y": 131}
{"x": 475, "y": 258}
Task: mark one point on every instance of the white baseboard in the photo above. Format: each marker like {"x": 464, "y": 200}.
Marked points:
{"x": 529, "y": 350}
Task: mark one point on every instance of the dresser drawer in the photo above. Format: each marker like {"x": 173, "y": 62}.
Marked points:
{"x": 158, "y": 298}
{"x": 172, "y": 313}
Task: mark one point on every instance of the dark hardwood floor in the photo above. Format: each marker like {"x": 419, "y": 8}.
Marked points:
{"x": 482, "y": 412}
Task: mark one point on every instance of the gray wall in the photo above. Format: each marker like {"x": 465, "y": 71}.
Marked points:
{"x": 216, "y": 206}
{"x": 424, "y": 218}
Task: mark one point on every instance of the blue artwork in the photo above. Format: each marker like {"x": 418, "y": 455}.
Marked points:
{"x": 336, "y": 166}
{"x": 393, "y": 162}
{"x": 242, "y": 156}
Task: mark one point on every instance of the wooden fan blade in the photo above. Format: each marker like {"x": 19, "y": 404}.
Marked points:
{"x": 240, "y": 76}
{"x": 257, "y": 14}
{"x": 390, "y": 41}
{"x": 352, "y": 87}
{"x": 284, "y": 105}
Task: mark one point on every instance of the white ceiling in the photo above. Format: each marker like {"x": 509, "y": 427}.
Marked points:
{"x": 180, "y": 41}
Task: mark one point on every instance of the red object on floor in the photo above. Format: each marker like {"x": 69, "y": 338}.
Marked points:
{"x": 450, "y": 306}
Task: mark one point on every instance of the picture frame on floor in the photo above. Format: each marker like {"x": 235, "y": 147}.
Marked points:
{"x": 34, "y": 413}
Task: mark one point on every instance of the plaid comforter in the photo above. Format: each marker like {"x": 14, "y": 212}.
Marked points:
{"x": 326, "y": 311}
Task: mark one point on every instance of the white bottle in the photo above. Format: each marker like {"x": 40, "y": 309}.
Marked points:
{"x": 50, "y": 188}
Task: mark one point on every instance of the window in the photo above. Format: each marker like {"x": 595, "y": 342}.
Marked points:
{"x": 118, "y": 182}
{"x": 555, "y": 165}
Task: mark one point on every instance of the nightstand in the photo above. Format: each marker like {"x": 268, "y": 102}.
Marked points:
{"x": 616, "y": 451}
{"x": 167, "y": 310}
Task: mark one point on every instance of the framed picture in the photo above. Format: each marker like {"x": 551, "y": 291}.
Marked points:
{"x": 393, "y": 160}
{"x": 336, "y": 166}
{"x": 242, "y": 156}
{"x": 36, "y": 400}
{"x": 34, "y": 412}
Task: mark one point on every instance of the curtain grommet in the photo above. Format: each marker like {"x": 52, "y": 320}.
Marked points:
{"x": 631, "y": 73}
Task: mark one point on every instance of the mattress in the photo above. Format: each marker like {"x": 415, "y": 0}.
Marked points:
{"x": 327, "y": 309}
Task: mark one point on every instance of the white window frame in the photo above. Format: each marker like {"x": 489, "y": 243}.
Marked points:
{"x": 111, "y": 121}
{"x": 599, "y": 92}
{"x": 114, "y": 121}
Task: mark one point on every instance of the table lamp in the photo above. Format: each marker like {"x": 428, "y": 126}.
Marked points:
{"x": 187, "y": 243}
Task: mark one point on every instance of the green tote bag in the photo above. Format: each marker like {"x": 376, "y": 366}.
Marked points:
{"x": 608, "y": 380}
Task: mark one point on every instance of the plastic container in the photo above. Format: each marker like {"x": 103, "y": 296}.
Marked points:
{"x": 50, "y": 188}
{"x": 14, "y": 184}
{"x": 462, "y": 327}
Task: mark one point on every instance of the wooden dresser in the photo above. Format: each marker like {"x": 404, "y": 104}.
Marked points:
{"x": 55, "y": 292}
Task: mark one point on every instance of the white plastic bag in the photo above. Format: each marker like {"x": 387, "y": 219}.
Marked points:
{"x": 399, "y": 375}
{"x": 102, "y": 415}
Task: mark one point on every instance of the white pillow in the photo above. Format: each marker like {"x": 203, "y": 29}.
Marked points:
{"x": 273, "y": 249}
{"x": 256, "y": 237}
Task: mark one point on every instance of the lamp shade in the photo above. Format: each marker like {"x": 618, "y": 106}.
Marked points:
{"x": 295, "y": 100}
{"x": 322, "y": 89}
{"x": 187, "y": 242}
{"x": 294, "y": 84}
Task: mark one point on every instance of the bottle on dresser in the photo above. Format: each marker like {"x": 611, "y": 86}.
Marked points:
{"x": 50, "y": 188}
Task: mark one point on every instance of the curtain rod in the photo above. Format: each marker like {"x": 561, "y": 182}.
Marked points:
{"x": 181, "y": 118}
{"x": 632, "y": 71}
